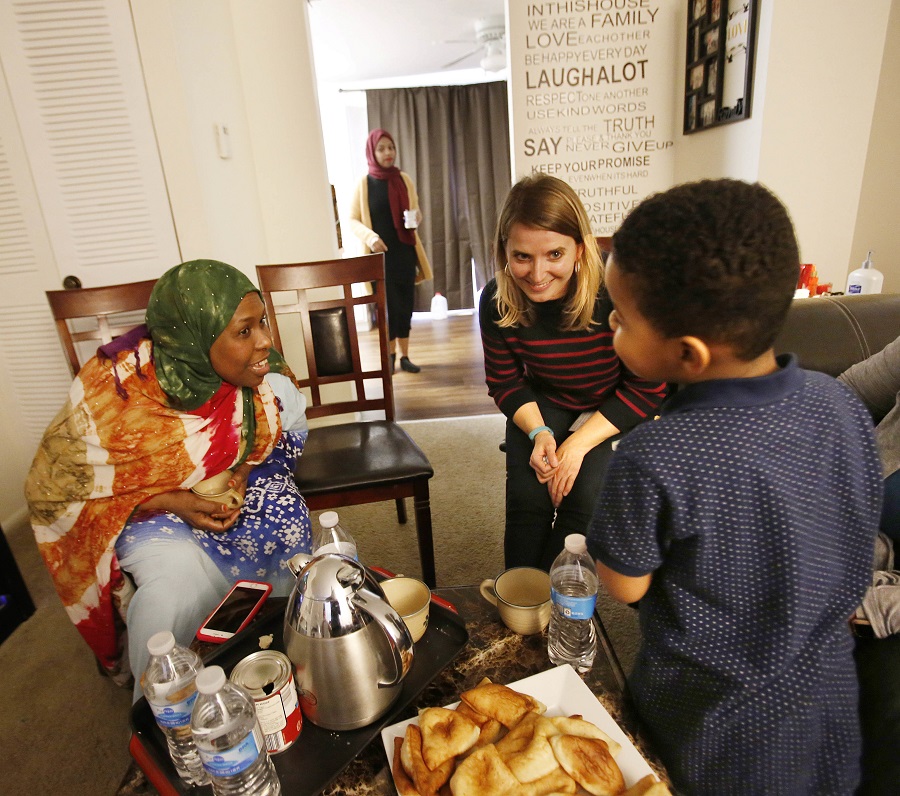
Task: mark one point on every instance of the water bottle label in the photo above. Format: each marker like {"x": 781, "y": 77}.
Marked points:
{"x": 574, "y": 607}
{"x": 228, "y": 762}
{"x": 174, "y": 715}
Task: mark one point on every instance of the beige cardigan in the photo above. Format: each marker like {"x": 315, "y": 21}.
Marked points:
{"x": 361, "y": 223}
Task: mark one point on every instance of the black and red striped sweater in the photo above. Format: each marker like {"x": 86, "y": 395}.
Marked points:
{"x": 575, "y": 370}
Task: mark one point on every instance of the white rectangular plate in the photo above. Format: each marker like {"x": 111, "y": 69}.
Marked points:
{"x": 564, "y": 693}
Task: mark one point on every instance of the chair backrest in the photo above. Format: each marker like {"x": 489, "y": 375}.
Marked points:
{"x": 102, "y": 307}
{"x": 328, "y": 331}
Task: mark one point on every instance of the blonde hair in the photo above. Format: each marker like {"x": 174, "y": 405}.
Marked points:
{"x": 545, "y": 202}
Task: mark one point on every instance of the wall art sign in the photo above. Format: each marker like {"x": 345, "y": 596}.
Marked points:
{"x": 721, "y": 37}
{"x": 591, "y": 86}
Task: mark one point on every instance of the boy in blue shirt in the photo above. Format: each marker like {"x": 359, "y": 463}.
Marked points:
{"x": 744, "y": 518}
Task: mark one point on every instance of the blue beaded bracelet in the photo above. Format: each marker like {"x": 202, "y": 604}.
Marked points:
{"x": 534, "y": 432}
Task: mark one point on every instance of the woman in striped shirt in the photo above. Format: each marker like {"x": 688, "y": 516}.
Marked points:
{"x": 551, "y": 368}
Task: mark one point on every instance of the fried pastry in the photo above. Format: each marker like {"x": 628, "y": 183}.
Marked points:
{"x": 589, "y": 762}
{"x": 500, "y": 702}
{"x": 519, "y": 736}
{"x": 405, "y": 786}
{"x": 490, "y": 728}
{"x": 445, "y": 734}
{"x": 427, "y": 781}
{"x": 483, "y": 773}
{"x": 536, "y": 760}
{"x": 648, "y": 786}
{"x": 557, "y": 781}
{"x": 575, "y": 725}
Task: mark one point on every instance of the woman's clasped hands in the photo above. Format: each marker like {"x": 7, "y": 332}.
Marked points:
{"x": 556, "y": 467}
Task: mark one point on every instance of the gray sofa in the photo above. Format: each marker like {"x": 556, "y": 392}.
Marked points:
{"x": 830, "y": 334}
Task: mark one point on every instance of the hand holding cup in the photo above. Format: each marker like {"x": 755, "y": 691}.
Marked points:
{"x": 217, "y": 490}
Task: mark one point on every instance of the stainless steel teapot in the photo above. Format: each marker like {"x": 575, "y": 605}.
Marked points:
{"x": 350, "y": 649}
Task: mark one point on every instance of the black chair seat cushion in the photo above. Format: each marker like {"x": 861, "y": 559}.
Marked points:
{"x": 358, "y": 455}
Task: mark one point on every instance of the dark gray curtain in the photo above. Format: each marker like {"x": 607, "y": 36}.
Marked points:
{"x": 454, "y": 143}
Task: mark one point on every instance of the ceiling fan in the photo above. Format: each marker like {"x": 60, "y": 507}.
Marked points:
{"x": 490, "y": 38}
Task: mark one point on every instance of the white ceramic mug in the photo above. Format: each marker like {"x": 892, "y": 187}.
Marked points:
{"x": 411, "y": 599}
{"x": 410, "y": 219}
{"x": 217, "y": 490}
{"x": 522, "y": 597}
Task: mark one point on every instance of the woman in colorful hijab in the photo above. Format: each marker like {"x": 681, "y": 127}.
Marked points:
{"x": 377, "y": 217}
{"x": 195, "y": 392}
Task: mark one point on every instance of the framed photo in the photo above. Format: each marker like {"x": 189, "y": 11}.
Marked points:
{"x": 691, "y": 45}
{"x": 711, "y": 77}
{"x": 721, "y": 39}
{"x": 691, "y": 113}
{"x": 697, "y": 77}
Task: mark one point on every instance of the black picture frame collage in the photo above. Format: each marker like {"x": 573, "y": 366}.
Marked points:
{"x": 717, "y": 30}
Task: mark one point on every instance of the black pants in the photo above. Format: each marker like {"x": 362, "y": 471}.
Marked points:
{"x": 400, "y": 265}
{"x": 535, "y": 531}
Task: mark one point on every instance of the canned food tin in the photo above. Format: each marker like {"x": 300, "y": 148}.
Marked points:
{"x": 269, "y": 677}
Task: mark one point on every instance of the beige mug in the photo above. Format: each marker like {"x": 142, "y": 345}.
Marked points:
{"x": 522, "y": 597}
{"x": 217, "y": 490}
{"x": 411, "y": 599}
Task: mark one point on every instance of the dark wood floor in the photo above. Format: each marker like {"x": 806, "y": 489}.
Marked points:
{"x": 451, "y": 383}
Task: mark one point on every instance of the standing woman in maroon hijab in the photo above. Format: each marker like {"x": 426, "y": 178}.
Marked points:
{"x": 377, "y": 219}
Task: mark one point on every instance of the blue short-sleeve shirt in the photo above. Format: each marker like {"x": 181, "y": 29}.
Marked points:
{"x": 755, "y": 503}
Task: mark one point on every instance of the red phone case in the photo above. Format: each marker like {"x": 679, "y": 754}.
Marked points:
{"x": 205, "y": 635}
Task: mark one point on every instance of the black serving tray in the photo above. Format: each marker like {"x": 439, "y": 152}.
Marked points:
{"x": 318, "y": 756}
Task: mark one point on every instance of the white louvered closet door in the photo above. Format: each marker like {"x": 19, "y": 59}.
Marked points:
{"x": 81, "y": 192}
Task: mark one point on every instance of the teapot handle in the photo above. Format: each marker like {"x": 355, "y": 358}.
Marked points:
{"x": 394, "y": 628}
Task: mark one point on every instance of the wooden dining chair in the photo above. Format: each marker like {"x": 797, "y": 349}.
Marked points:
{"x": 358, "y": 460}
{"x": 97, "y": 314}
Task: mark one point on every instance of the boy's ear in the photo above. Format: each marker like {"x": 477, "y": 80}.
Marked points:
{"x": 695, "y": 356}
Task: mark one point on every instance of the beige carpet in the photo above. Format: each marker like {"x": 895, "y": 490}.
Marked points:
{"x": 64, "y": 728}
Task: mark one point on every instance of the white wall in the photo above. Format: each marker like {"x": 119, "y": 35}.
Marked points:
{"x": 818, "y": 65}
{"x": 876, "y": 222}
{"x": 247, "y": 66}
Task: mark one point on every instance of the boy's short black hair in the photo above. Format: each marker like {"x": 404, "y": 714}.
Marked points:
{"x": 715, "y": 259}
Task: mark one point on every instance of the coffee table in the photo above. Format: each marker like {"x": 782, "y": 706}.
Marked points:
{"x": 491, "y": 651}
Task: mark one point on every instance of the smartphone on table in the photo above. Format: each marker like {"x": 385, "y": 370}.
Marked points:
{"x": 234, "y": 613}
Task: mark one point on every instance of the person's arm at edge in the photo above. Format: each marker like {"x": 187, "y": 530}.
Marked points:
{"x": 365, "y": 234}
{"x": 623, "y": 588}
{"x": 876, "y": 380}
{"x": 509, "y": 392}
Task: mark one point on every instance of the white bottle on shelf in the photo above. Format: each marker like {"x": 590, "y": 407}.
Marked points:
{"x": 866, "y": 279}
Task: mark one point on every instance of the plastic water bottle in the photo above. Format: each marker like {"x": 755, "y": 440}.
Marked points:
{"x": 169, "y": 685}
{"x": 332, "y": 537}
{"x": 573, "y": 591}
{"x": 229, "y": 738}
